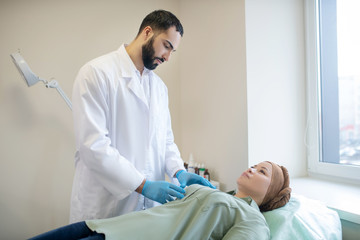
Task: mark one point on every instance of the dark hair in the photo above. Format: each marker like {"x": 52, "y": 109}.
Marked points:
{"x": 161, "y": 20}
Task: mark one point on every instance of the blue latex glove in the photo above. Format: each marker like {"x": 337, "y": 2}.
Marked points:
{"x": 161, "y": 191}
{"x": 186, "y": 179}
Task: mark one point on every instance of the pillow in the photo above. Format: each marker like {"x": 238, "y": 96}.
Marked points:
{"x": 303, "y": 218}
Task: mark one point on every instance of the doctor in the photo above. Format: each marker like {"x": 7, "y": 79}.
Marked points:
{"x": 124, "y": 141}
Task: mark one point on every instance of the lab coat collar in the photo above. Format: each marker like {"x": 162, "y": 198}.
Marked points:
{"x": 128, "y": 70}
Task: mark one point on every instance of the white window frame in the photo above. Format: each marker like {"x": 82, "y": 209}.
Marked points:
{"x": 313, "y": 140}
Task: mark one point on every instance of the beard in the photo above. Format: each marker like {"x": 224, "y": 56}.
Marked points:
{"x": 148, "y": 55}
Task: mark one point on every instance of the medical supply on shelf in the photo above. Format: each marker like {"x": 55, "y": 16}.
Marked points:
{"x": 207, "y": 174}
{"x": 186, "y": 165}
{"x": 197, "y": 168}
{"x": 202, "y": 170}
{"x": 191, "y": 166}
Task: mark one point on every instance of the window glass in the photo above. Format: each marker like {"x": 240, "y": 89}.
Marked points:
{"x": 333, "y": 88}
{"x": 348, "y": 52}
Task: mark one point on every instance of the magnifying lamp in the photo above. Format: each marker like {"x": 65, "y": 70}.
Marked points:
{"x": 31, "y": 79}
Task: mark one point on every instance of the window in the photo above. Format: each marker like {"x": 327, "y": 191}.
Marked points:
{"x": 333, "y": 87}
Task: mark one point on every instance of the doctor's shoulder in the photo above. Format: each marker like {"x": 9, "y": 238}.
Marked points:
{"x": 105, "y": 63}
{"x": 101, "y": 67}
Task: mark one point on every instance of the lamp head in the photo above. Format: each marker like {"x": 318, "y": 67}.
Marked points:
{"x": 24, "y": 69}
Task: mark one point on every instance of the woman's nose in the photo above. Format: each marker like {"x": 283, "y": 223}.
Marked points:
{"x": 252, "y": 170}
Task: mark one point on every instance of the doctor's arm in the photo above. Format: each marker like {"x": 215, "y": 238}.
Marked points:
{"x": 90, "y": 111}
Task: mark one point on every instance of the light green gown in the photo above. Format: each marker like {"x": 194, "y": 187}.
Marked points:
{"x": 203, "y": 213}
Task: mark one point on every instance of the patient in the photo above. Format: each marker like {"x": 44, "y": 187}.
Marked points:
{"x": 203, "y": 213}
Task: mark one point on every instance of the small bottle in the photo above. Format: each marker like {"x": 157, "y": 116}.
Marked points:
{"x": 197, "y": 168}
{"x": 191, "y": 167}
{"x": 186, "y": 165}
{"x": 207, "y": 174}
{"x": 202, "y": 170}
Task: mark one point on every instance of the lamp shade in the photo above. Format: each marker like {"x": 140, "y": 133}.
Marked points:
{"x": 24, "y": 69}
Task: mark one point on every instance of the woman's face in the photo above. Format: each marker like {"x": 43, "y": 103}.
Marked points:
{"x": 255, "y": 181}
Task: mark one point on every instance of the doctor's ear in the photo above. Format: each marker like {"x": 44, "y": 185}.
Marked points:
{"x": 147, "y": 33}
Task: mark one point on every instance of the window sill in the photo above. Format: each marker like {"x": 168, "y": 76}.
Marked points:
{"x": 341, "y": 197}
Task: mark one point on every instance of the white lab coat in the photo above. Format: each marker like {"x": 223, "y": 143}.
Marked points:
{"x": 120, "y": 138}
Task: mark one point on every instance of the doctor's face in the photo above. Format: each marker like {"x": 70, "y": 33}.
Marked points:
{"x": 255, "y": 181}
{"x": 160, "y": 47}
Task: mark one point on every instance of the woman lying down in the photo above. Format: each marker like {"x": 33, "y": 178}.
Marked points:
{"x": 203, "y": 213}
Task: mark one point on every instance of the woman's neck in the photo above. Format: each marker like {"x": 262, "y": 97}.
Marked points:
{"x": 240, "y": 194}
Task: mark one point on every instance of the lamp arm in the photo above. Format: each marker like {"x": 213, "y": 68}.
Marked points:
{"x": 54, "y": 84}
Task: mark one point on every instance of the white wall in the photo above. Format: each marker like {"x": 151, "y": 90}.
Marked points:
{"x": 213, "y": 87}
{"x": 37, "y": 144}
{"x": 243, "y": 103}
{"x": 275, "y": 60}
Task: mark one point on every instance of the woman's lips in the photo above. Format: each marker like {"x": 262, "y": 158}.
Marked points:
{"x": 245, "y": 174}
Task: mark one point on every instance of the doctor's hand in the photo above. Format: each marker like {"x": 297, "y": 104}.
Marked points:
{"x": 162, "y": 191}
{"x": 186, "y": 179}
